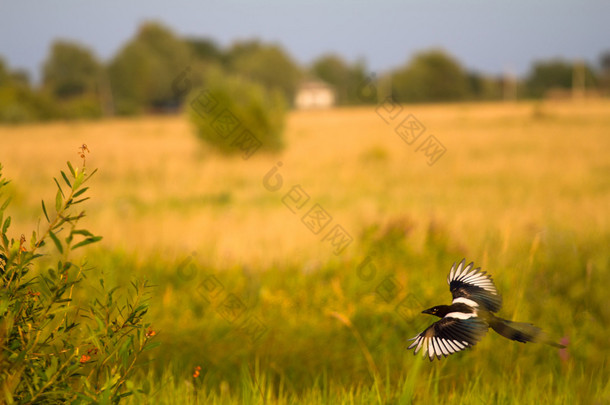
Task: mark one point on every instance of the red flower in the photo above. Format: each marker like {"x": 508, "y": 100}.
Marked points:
{"x": 196, "y": 373}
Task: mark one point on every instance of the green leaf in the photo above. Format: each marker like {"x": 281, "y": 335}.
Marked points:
{"x": 80, "y": 201}
{"x": 66, "y": 179}
{"x": 7, "y": 223}
{"x": 71, "y": 169}
{"x": 151, "y": 346}
{"x": 59, "y": 187}
{"x": 5, "y": 204}
{"x": 4, "y": 306}
{"x": 58, "y": 200}
{"x": 87, "y": 241}
{"x": 79, "y": 192}
{"x": 83, "y": 232}
{"x": 44, "y": 210}
{"x": 33, "y": 240}
{"x": 92, "y": 173}
{"x": 78, "y": 180}
{"x": 52, "y": 368}
{"x": 56, "y": 241}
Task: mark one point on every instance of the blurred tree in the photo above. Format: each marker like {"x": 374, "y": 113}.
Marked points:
{"x": 141, "y": 74}
{"x": 360, "y": 77}
{"x": 207, "y": 56}
{"x": 604, "y": 76}
{"x": 345, "y": 78}
{"x": 484, "y": 87}
{"x": 335, "y": 71}
{"x": 554, "y": 74}
{"x": 19, "y": 102}
{"x": 604, "y": 61}
{"x": 269, "y": 65}
{"x": 205, "y": 49}
{"x": 4, "y": 75}
{"x": 21, "y": 76}
{"x": 70, "y": 70}
{"x": 431, "y": 76}
{"x": 235, "y": 115}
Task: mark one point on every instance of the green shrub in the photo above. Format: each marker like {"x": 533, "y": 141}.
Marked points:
{"x": 59, "y": 344}
{"x": 19, "y": 104}
{"x": 235, "y": 115}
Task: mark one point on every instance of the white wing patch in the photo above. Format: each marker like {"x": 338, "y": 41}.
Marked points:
{"x": 460, "y": 315}
{"x": 466, "y": 301}
{"x": 435, "y": 346}
{"x": 468, "y": 275}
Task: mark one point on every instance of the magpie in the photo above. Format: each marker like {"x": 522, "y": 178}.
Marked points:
{"x": 470, "y": 315}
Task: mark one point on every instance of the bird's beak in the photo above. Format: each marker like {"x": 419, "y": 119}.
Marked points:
{"x": 427, "y": 311}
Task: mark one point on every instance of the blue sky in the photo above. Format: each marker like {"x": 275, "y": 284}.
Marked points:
{"x": 486, "y": 36}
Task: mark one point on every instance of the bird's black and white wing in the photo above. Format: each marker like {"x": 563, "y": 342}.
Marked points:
{"x": 449, "y": 335}
{"x": 473, "y": 287}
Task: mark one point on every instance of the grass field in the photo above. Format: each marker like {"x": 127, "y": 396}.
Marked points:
{"x": 523, "y": 190}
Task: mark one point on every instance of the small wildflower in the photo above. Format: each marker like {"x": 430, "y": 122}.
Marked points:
{"x": 34, "y": 295}
{"x": 150, "y": 333}
{"x": 22, "y": 247}
{"x": 197, "y": 372}
{"x": 84, "y": 358}
{"x": 81, "y": 152}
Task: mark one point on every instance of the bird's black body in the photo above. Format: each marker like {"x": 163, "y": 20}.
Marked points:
{"x": 442, "y": 310}
{"x": 467, "y": 319}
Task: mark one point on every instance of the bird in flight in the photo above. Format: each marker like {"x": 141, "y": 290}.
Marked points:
{"x": 466, "y": 320}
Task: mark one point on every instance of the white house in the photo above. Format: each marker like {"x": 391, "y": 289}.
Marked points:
{"x": 314, "y": 94}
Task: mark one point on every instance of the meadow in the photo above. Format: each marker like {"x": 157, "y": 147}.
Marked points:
{"x": 273, "y": 309}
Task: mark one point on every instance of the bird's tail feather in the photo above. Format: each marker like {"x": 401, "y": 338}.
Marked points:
{"x": 521, "y": 332}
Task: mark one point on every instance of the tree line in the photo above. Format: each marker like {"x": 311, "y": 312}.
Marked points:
{"x": 140, "y": 77}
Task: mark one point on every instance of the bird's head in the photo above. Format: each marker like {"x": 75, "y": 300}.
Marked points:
{"x": 439, "y": 310}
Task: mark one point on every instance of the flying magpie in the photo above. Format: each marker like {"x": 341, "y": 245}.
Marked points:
{"x": 466, "y": 320}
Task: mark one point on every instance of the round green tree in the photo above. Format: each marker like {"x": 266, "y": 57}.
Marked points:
{"x": 237, "y": 116}
{"x": 432, "y": 76}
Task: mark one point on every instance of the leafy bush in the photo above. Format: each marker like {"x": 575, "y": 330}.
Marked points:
{"x": 235, "y": 115}
{"x": 59, "y": 344}
{"x": 19, "y": 103}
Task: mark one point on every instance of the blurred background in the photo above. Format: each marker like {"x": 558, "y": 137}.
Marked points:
{"x": 78, "y": 60}
{"x": 322, "y": 165}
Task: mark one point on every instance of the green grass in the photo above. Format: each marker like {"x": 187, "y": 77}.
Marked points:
{"x": 331, "y": 338}
{"x": 522, "y": 195}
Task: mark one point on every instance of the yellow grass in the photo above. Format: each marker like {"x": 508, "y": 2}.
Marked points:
{"x": 509, "y": 169}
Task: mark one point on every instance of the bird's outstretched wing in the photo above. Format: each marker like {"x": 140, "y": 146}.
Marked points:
{"x": 468, "y": 286}
{"x": 448, "y": 336}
